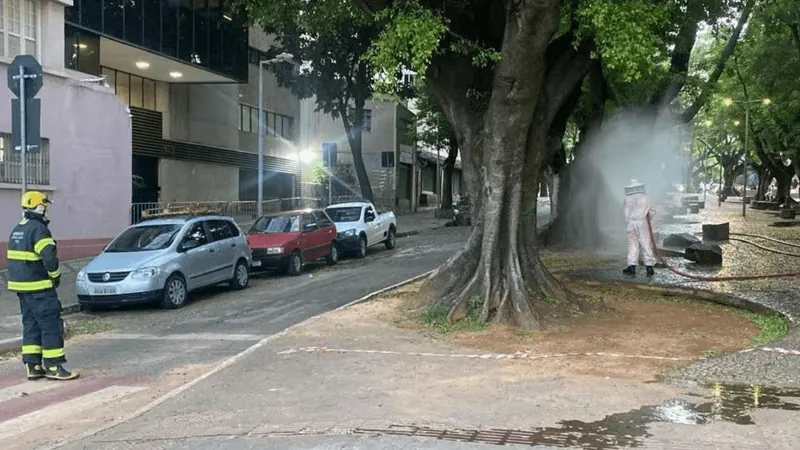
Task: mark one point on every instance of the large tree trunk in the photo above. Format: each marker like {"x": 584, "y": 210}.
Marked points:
{"x": 449, "y": 166}
{"x": 499, "y": 273}
{"x": 764, "y": 180}
{"x": 729, "y": 173}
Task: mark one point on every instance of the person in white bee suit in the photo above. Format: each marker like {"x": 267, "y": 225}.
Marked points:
{"x": 637, "y": 207}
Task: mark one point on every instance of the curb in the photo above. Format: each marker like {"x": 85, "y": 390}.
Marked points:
{"x": 701, "y": 294}
{"x": 377, "y": 293}
{"x": 227, "y": 362}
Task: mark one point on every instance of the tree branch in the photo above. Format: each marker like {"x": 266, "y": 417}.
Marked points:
{"x": 689, "y": 114}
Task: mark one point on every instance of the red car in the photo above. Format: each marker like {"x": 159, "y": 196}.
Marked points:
{"x": 287, "y": 240}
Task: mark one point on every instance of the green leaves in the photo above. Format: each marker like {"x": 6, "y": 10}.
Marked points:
{"x": 410, "y": 36}
{"x": 625, "y": 33}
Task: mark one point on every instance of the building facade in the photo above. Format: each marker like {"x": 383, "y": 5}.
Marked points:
{"x": 85, "y": 130}
{"x": 189, "y": 71}
{"x": 387, "y": 148}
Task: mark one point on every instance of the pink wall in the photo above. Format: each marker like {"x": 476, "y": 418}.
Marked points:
{"x": 89, "y": 131}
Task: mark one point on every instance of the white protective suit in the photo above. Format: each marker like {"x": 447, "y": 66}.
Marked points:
{"x": 636, "y": 207}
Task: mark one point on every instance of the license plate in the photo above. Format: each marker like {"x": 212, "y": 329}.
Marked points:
{"x": 105, "y": 290}
{"x": 256, "y": 263}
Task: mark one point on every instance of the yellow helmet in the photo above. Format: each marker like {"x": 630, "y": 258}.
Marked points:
{"x": 32, "y": 199}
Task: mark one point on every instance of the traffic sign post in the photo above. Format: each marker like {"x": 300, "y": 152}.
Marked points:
{"x": 25, "y": 80}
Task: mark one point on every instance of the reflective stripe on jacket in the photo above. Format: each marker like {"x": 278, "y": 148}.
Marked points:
{"x": 32, "y": 257}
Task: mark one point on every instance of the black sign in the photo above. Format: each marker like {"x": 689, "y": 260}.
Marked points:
{"x": 33, "y": 119}
{"x": 33, "y": 72}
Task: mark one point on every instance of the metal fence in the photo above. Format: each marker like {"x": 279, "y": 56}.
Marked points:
{"x": 244, "y": 212}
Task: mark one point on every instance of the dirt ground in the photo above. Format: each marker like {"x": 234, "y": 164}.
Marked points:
{"x": 634, "y": 326}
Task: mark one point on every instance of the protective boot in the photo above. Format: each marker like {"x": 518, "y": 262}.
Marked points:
{"x": 650, "y": 271}
{"x": 34, "y": 371}
{"x": 630, "y": 270}
{"x": 60, "y": 373}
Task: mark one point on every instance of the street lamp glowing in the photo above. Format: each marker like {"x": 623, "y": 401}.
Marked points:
{"x": 736, "y": 123}
{"x": 305, "y": 156}
{"x": 709, "y": 123}
{"x": 727, "y": 101}
{"x": 766, "y": 101}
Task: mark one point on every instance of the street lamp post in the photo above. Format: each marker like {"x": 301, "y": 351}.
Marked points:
{"x": 728, "y": 102}
{"x": 280, "y": 58}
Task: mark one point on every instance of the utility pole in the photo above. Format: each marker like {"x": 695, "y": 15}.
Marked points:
{"x": 283, "y": 57}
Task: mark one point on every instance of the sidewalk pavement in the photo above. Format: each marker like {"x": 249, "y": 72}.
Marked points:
{"x": 780, "y": 295}
{"x": 350, "y": 372}
{"x": 408, "y": 225}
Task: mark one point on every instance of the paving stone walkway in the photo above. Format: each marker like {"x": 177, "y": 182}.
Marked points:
{"x": 779, "y": 367}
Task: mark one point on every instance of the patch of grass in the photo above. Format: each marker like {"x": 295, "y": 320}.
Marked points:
{"x": 770, "y": 328}
{"x": 435, "y": 316}
{"x": 88, "y": 326}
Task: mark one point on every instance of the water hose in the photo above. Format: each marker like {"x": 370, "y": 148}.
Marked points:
{"x": 706, "y": 278}
{"x": 777, "y": 241}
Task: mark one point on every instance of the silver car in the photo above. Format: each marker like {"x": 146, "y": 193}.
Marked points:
{"x": 162, "y": 260}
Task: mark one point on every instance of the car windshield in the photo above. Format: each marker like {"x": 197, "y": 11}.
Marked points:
{"x": 144, "y": 238}
{"x": 276, "y": 224}
{"x": 348, "y": 214}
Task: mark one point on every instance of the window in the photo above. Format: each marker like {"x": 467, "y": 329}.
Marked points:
{"x": 19, "y": 27}
{"x": 136, "y": 91}
{"x": 309, "y": 223}
{"x": 81, "y": 50}
{"x": 219, "y": 230}
{"x": 387, "y": 159}
{"x": 38, "y": 164}
{"x": 197, "y": 233}
{"x": 322, "y": 219}
{"x": 368, "y": 120}
{"x": 143, "y": 238}
{"x": 274, "y": 124}
{"x": 232, "y": 228}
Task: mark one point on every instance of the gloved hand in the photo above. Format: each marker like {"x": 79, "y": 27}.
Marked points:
{"x": 57, "y": 281}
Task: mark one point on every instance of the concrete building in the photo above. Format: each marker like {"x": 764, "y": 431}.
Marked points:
{"x": 189, "y": 73}
{"x": 387, "y": 148}
{"x": 86, "y": 136}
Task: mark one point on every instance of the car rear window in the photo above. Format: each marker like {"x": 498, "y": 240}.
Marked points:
{"x": 345, "y": 214}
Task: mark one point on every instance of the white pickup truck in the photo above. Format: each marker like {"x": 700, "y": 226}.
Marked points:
{"x": 359, "y": 226}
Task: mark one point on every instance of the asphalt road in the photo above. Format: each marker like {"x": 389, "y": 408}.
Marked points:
{"x": 147, "y": 345}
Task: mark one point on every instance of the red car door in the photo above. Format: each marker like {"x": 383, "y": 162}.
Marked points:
{"x": 309, "y": 238}
{"x": 327, "y": 232}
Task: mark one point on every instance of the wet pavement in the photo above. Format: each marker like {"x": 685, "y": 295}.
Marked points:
{"x": 739, "y": 259}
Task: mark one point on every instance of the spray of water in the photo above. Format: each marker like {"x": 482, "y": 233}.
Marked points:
{"x": 631, "y": 145}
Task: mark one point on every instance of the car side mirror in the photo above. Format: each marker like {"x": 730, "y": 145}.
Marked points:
{"x": 189, "y": 244}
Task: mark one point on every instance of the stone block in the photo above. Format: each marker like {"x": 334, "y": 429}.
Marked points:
{"x": 705, "y": 254}
{"x": 716, "y": 232}
{"x": 681, "y": 240}
{"x": 788, "y": 213}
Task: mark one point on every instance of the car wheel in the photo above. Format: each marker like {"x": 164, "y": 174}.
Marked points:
{"x": 295, "y": 266}
{"x": 390, "y": 239}
{"x": 333, "y": 255}
{"x": 175, "y": 292}
{"x": 241, "y": 276}
{"x": 362, "y": 247}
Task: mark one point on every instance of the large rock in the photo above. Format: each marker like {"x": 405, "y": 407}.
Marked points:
{"x": 716, "y": 232}
{"x": 705, "y": 254}
{"x": 681, "y": 240}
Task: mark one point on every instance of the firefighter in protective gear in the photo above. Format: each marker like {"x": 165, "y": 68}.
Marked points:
{"x": 34, "y": 274}
{"x": 637, "y": 208}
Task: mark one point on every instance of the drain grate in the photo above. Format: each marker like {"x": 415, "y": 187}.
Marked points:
{"x": 565, "y": 437}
